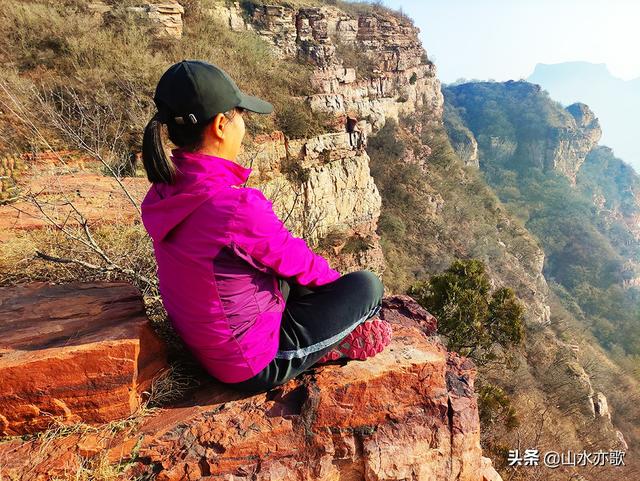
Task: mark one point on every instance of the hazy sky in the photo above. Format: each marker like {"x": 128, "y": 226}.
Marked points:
{"x": 502, "y": 39}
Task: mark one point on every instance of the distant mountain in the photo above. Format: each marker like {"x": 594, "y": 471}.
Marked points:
{"x": 614, "y": 101}
{"x": 577, "y": 197}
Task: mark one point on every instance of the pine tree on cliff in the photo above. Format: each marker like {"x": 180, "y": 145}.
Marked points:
{"x": 473, "y": 320}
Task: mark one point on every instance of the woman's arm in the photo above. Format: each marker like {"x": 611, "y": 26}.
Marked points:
{"x": 258, "y": 230}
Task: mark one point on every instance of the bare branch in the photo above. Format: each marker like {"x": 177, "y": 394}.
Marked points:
{"x": 110, "y": 268}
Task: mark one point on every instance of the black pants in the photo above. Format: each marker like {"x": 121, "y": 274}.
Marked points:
{"x": 314, "y": 321}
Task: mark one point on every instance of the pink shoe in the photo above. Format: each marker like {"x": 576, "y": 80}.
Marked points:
{"x": 366, "y": 340}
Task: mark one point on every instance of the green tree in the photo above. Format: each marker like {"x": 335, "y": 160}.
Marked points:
{"x": 473, "y": 319}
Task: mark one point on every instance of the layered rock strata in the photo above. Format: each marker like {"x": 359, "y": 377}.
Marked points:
{"x": 73, "y": 352}
{"x": 408, "y": 413}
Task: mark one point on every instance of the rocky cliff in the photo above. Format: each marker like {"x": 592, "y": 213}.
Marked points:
{"x": 552, "y": 138}
{"x": 581, "y": 202}
{"x": 410, "y": 414}
{"x": 613, "y": 187}
{"x": 520, "y": 128}
{"x": 334, "y": 202}
{"x": 369, "y": 66}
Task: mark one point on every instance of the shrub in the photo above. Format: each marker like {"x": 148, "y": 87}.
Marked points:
{"x": 495, "y": 407}
{"x": 472, "y": 319}
{"x": 297, "y": 120}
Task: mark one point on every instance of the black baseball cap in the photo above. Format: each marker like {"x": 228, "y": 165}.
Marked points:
{"x": 194, "y": 91}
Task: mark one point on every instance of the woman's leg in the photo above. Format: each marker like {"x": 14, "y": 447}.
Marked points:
{"x": 314, "y": 321}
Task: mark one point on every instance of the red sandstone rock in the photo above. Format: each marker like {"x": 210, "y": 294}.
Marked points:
{"x": 98, "y": 197}
{"x": 402, "y": 309}
{"x": 388, "y": 416}
{"x": 76, "y": 352}
{"x": 408, "y": 413}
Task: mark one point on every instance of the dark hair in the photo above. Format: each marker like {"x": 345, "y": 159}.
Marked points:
{"x": 160, "y": 168}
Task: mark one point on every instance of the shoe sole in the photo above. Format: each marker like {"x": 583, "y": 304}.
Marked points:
{"x": 366, "y": 340}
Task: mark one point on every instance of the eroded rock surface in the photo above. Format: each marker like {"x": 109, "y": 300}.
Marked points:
{"x": 369, "y": 63}
{"x": 73, "y": 352}
{"x": 408, "y": 413}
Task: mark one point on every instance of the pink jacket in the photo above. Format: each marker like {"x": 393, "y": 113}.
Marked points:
{"x": 220, "y": 250}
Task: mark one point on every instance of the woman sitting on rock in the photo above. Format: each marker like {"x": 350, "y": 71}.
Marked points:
{"x": 254, "y": 304}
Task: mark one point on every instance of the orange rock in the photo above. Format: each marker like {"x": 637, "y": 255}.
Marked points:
{"x": 73, "y": 352}
{"x": 56, "y": 178}
{"x": 410, "y": 412}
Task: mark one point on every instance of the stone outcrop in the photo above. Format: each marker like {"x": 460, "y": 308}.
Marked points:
{"x": 334, "y": 191}
{"x": 165, "y": 16}
{"x": 601, "y": 407}
{"x": 488, "y": 472}
{"x": 563, "y": 149}
{"x": 322, "y": 185}
{"x": 393, "y": 74}
{"x": 410, "y": 412}
{"x": 604, "y": 431}
{"x": 571, "y": 144}
{"x": 467, "y": 150}
{"x": 557, "y": 140}
{"x": 73, "y": 352}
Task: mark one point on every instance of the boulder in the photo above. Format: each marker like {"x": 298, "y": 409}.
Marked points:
{"x": 73, "y": 352}
{"x": 488, "y": 471}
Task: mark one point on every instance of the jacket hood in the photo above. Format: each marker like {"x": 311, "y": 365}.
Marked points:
{"x": 198, "y": 177}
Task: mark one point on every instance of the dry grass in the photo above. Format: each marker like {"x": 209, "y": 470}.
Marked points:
{"x": 52, "y": 49}
{"x": 129, "y": 246}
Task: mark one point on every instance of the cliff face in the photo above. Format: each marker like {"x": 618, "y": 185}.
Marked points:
{"x": 570, "y": 144}
{"x": 551, "y": 138}
{"x": 370, "y": 66}
{"x": 324, "y": 189}
{"x": 529, "y": 147}
{"x": 332, "y": 200}
{"x": 518, "y": 127}
{"x": 614, "y": 189}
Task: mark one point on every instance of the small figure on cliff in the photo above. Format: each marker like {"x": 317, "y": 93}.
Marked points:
{"x": 355, "y": 137}
{"x": 254, "y": 304}
{"x": 363, "y": 128}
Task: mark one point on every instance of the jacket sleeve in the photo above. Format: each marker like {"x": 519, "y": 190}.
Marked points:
{"x": 258, "y": 230}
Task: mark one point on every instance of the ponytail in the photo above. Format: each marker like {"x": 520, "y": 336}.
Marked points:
{"x": 159, "y": 168}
